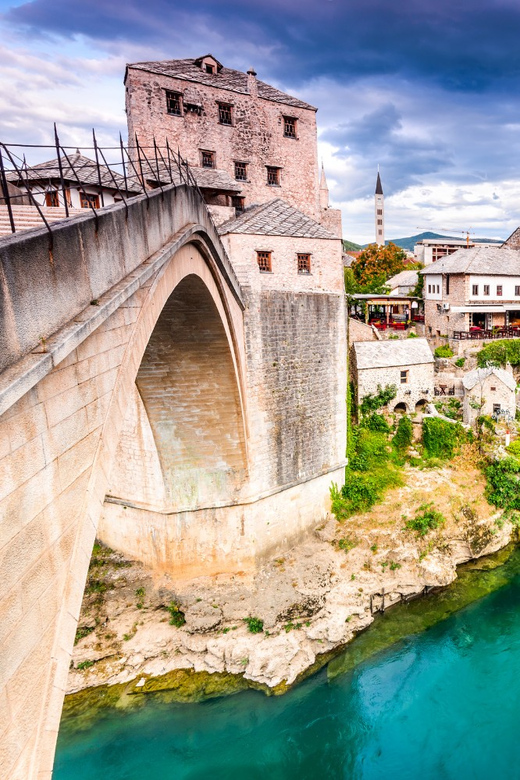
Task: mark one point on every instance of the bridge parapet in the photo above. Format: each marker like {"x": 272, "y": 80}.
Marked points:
{"x": 41, "y": 290}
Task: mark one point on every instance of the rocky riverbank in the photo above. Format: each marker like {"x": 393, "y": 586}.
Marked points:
{"x": 269, "y": 630}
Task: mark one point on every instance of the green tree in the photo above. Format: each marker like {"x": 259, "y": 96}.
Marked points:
{"x": 375, "y": 265}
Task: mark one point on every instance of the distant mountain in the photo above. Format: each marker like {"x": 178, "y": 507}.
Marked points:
{"x": 350, "y": 246}
{"x": 409, "y": 242}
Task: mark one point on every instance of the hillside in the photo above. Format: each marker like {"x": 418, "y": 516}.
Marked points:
{"x": 351, "y": 246}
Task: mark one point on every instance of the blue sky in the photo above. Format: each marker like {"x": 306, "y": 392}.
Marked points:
{"x": 427, "y": 89}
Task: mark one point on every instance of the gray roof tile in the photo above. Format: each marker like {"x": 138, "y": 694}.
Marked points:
{"x": 489, "y": 260}
{"x": 472, "y": 378}
{"x": 275, "y": 218}
{"x": 226, "y": 78}
{"x": 383, "y": 354}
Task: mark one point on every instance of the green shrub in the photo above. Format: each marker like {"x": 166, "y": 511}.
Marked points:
{"x": 376, "y": 422}
{"x": 443, "y": 352}
{"x": 403, "y": 435}
{"x": 503, "y": 488}
{"x": 441, "y": 439}
{"x": 84, "y": 665}
{"x": 371, "y": 449}
{"x": 499, "y": 353}
{"x": 254, "y": 625}
{"x": 371, "y": 403}
{"x": 460, "y": 362}
{"x": 177, "y": 617}
{"x": 426, "y": 519}
{"x": 514, "y": 448}
{"x": 411, "y": 335}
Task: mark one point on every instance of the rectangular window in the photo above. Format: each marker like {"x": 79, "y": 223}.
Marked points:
{"x": 429, "y": 288}
{"x": 474, "y": 289}
{"x": 241, "y": 171}
{"x": 496, "y": 409}
{"x": 289, "y": 127}
{"x": 380, "y": 212}
{"x": 238, "y": 203}
{"x": 273, "y": 176}
{"x": 209, "y": 68}
{"x": 51, "y": 198}
{"x": 207, "y": 159}
{"x": 87, "y": 200}
{"x": 174, "y": 103}
{"x": 499, "y": 290}
{"x": 493, "y": 389}
{"x": 517, "y": 290}
{"x": 486, "y": 289}
{"x": 447, "y": 284}
{"x": 264, "y": 261}
{"x": 225, "y": 116}
{"x": 379, "y": 221}
{"x": 304, "y": 263}
{"x": 404, "y": 377}
{"x": 438, "y": 289}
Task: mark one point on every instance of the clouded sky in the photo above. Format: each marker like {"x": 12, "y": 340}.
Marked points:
{"x": 427, "y": 89}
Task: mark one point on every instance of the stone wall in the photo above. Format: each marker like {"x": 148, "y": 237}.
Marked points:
{"x": 420, "y": 379}
{"x": 489, "y": 392}
{"x": 256, "y": 136}
{"x": 360, "y": 331}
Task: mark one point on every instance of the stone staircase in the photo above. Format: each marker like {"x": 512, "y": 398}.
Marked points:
{"x": 27, "y": 217}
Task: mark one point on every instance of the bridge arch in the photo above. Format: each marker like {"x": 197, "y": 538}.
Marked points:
{"x": 63, "y": 410}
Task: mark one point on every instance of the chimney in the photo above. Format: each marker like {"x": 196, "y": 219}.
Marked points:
{"x": 252, "y": 86}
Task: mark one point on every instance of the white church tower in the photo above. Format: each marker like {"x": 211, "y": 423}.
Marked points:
{"x": 380, "y": 211}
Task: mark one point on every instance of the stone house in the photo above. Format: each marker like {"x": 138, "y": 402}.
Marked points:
{"x": 81, "y": 183}
{"x": 403, "y": 283}
{"x": 475, "y": 288}
{"x": 488, "y": 391}
{"x": 408, "y": 364}
{"x": 222, "y": 120}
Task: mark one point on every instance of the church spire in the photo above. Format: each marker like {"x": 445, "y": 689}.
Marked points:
{"x": 324, "y": 190}
{"x": 379, "y": 199}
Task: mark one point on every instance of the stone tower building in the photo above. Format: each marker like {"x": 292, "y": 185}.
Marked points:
{"x": 246, "y": 141}
{"x": 379, "y": 212}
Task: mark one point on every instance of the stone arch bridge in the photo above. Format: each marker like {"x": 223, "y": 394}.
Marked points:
{"x": 131, "y": 407}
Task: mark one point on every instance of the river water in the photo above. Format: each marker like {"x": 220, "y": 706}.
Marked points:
{"x": 422, "y": 695}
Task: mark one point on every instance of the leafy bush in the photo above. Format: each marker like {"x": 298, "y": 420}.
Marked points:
{"x": 371, "y": 403}
{"x": 412, "y": 335}
{"x": 514, "y": 448}
{"x": 403, "y": 435}
{"x": 254, "y": 625}
{"x": 441, "y": 439}
{"x": 371, "y": 449}
{"x": 443, "y": 352}
{"x": 376, "y": 422}
{"x": 426, "y": 519}
{"x": 460, "y": 362}
{"x": 177, "y": 618}
{"x": 503, "y": 488}
{"x": 499, "y": 353}
{"x": 362, "y": 490}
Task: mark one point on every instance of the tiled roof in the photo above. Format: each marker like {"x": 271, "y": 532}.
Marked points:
{"x": 383, "y": 354}
{"x": 513, "y": 241}
{"x": 473, "y": 378}
{"x": 80, "y": 167}
{"x": 489, "y": 260}
{"x": 403, "y": 279}
{"x": 226, "y": 78}
{"x": 275, "y": 218}
{"x": 215, "y": 179}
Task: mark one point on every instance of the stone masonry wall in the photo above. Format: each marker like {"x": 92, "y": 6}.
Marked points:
{"x": 483, "y": 393}
{"x": 256, "y": 136}
{"x": 420, "y": 379}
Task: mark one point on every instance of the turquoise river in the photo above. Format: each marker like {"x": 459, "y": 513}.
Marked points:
{"x": 431, "y": 691}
